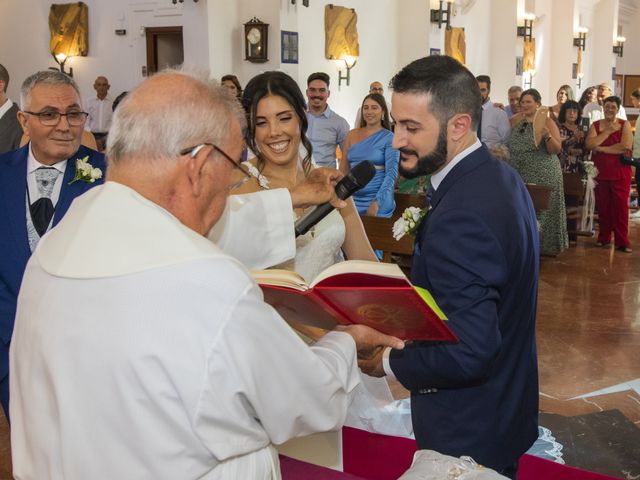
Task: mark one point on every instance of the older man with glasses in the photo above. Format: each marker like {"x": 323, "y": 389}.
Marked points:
{"x": 37, "y": 187}
{"x": 153, "y": 354}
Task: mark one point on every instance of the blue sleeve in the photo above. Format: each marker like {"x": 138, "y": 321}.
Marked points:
{"x": 466, "y": 269}
{"x": 384, "y": 197}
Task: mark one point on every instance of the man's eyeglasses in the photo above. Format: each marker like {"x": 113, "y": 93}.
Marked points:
{"x": 193, "y": 151}
{"x": 52, "y": 118}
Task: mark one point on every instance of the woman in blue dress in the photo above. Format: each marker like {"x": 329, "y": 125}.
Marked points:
{"x": 372, "y": 141}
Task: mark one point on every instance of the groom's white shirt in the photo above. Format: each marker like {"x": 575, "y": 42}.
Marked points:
{"x": 141, "y": 350}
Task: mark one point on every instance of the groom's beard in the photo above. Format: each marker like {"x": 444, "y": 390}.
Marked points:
{"x": 429, "y": 163}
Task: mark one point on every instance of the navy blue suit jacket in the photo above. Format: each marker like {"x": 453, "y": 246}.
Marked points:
{"x": 477, "y": 252}
{"x": 14, "y": 242}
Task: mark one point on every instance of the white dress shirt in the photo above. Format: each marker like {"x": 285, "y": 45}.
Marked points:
{"x": 32, "y": 166}
{"x": 100, "y": 113}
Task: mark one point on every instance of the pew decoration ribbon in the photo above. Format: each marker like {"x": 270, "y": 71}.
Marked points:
{"x": 590, "y": 173}
{"x": 409, "y": 222}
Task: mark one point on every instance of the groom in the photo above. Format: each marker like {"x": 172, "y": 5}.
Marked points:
{"x": 36, "y": 186}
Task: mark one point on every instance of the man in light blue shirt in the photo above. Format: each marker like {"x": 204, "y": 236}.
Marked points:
{"x": 494, "y": 128}
{"x": 326, "y": 129}
{"x": 514, "y": 101}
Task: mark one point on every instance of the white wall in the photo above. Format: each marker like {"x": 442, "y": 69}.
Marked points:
{"x": 377, "y": 37}
{"x": 24, "y": 36}
{"x": 392, "y": 33}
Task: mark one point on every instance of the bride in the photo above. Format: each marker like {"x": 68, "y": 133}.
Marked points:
{"x": 276, "y": 131}
{"x": 276, "y": 134}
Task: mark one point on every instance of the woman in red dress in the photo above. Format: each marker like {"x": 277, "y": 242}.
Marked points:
{"x": 607, "y": 139}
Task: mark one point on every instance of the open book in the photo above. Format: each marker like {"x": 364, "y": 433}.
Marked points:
{"x": 356, "y": 292}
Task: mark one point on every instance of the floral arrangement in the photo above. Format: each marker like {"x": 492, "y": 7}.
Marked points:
{"x": 590, "y": 170}
{"x": 409, "y": 222}
{"x": 589, "y": 202}
{"x": 85, "y": 171}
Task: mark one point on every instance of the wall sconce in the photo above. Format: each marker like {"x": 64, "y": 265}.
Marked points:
{"x": 528, "y": 78}
{"x": 619, "y": 46}
{"x": 60, "y": 59}
{"x": 442, "y": 15}
{"x": 181, "y": 1}
{"x": 579, "y": 80}
{"x": 580, "y": 40}
{"x": 526, "y": 31}
{"x": 349, "y": 63}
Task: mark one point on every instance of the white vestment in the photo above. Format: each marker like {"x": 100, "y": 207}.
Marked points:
{"x": 257, "y": 228}
{"x": 141, "y": 350}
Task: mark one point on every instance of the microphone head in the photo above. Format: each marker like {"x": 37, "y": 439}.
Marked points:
{"x": 357, "y": 178}
{"x": 363, "y": 172}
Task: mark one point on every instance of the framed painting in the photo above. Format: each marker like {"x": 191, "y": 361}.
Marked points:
{"x": 288, "y": 47}
{"x": 631, "y": 82}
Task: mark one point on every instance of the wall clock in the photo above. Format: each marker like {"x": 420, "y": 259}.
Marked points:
{"x": 256, "y": 40}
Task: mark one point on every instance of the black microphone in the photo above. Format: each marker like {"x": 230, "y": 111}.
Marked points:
{"x": 357, "y": 178}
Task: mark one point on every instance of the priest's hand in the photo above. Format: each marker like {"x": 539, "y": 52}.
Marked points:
{"x": 318, "y": 188}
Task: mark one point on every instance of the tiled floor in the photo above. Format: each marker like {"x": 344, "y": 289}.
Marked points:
{"x": 589, "y": 355}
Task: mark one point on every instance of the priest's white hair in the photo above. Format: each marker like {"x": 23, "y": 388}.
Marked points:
{"x": 158, "y": 124}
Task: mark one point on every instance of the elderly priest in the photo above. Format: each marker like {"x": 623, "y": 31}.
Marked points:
{"x": 141, "y": 350}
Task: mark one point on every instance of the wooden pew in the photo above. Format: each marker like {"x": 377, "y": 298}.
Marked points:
{"x": 574, "y": 191}
{"x": 380, "y": 233}
{"x": 540, "y": 195}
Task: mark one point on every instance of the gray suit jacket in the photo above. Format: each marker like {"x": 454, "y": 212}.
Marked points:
{"x": 10, "y": 130}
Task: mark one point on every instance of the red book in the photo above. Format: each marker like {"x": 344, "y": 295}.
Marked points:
{"x": 357, "y": 292}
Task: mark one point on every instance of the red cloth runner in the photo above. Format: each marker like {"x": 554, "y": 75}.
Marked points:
{"x": 380, "y": 457}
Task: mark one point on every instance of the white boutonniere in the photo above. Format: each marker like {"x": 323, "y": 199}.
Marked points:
{"x": 409, "y": 222}
{"x": 85, "y": 171}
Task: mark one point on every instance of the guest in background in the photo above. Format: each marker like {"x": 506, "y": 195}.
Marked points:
{"x": 573, "y": 149}
{"x": 595, "y": 110}
{"x": 100, "y": 110}
{"x": 539, "y": 164}
{"x": 327, "y": 130}
{"x": 564, "y": 93}
{"x": 10, "y": 129}
{"x": 608, "y": 139}
{"x": 372, "y": 141}
{"x": 635, "y": 100}
{"x": 118, "y": 99}
{"x": 375, "y": 87}
{"x": 587, "y": 97}
{"x": 233, "y": 84}
{"x": 36, "y": 187}
{"x": 494, "y": 128}
{"x": 513, "y": 94}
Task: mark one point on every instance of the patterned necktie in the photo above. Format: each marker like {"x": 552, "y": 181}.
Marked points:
{"x": 42, "y": 209}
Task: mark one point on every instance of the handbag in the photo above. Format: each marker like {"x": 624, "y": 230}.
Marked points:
{"x": 627, "y": 159}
